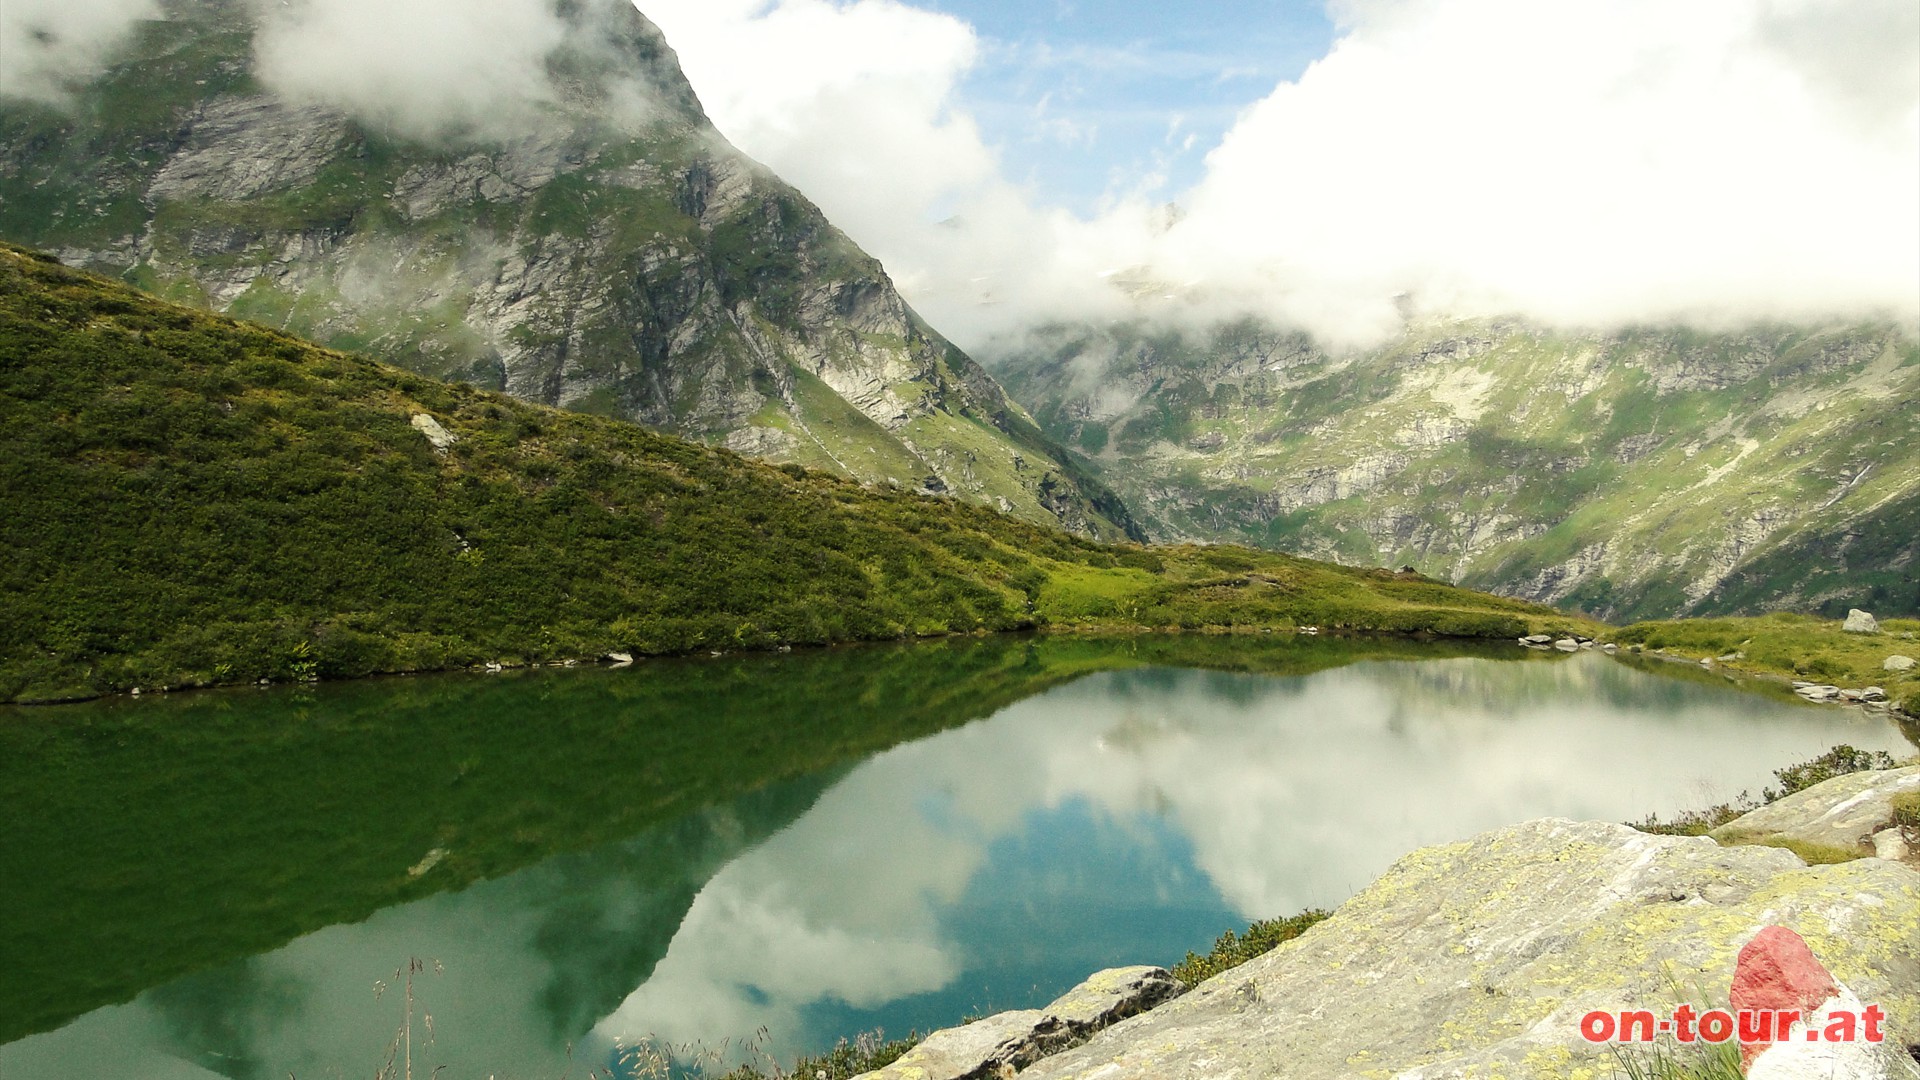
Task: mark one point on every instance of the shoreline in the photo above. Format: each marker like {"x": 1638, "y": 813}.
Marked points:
{"x": 607, "y": 661}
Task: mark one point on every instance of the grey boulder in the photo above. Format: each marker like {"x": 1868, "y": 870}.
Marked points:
{"x": 1843, "y": 812}
{"x": 1003, "y": 1044}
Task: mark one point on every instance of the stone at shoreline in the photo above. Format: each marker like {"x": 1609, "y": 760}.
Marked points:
{"x": 1567, "y": 645}
{"x": 1537, "y": 639}
{"x": 1819, "y": 693}
{"x": 1900, "y": 663}
{"x": 1479, "y": 959}
{"x": 1843, "y": 812}
{"x": 1000, "y": 1045}
{"x": 1861, "y": 622}
{"x": 989, "y": 1049}
{"x": 1112, "y": 996}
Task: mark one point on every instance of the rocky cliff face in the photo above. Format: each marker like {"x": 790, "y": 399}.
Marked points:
{"x": 609, "y": 253}
{"x": 1637, "y": 474}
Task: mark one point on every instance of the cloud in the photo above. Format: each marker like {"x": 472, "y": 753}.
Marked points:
{"x": 855, "y": 104}
{"x": 1572, "y": 162}
{"x": 1579, "y": 164}
{"x": 1256, "y": 776}
{"x": 424, "y": 68}
{"x": 1576, "y": 163}
{"x": 47, "y": 46}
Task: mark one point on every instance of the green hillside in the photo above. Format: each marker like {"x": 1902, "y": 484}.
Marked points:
{"x": 1646, "y": 473}
{"x": 194, "y": 500}
{"x": 607, "y": 251}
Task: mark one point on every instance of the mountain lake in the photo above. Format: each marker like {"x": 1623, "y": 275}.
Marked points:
{"x": 555, "y": 871}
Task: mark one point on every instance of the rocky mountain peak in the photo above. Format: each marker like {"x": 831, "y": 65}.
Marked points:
{"x": 557, "y": 219}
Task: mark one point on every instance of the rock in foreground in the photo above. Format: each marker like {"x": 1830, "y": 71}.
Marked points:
{"x": 1778, "y": 974}
{"x": 1479, "y": 959}
{"x": 1002, "y": 1044}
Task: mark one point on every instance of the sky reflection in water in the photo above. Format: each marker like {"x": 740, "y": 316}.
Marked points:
{"x": 1123, "y": 818}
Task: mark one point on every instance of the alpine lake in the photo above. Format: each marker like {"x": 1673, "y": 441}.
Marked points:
{"x": 537, "y": 874}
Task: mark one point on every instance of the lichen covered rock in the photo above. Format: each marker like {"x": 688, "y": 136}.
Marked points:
{"x": 1002, "y": 1044}
{"x": 1479, "y": 959}
{"x": 1844, "y": 812}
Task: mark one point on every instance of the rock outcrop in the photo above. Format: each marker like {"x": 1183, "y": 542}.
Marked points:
{"x": 1000, "y": 1045}
{"x": 1846, "y": 812}
{"x": 1479, "y": 959}
{"x": 607, "y": 252}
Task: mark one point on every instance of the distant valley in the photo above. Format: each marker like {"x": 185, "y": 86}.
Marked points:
{"x": 1637, "y": 474}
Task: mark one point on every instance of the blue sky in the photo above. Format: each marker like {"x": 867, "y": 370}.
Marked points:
{"x": 1579, "y": 164}
{"x": 1082, "y": 99}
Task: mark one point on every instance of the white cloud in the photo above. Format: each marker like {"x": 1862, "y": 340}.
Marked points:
{"x": 854, "y": 103}
{"x": 48, "y": 45}
{"x": 425, "y": 68}
{"x": 1590, "y": 162}
{"x": 1573, "y": 162}
{"x": 1256, "y": 774}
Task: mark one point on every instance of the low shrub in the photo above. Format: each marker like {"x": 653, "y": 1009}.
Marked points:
{"x": 1231, "y": 949}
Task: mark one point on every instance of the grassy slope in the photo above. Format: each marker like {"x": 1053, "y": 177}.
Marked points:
{"x": 1618, "y": 473}
{"x": 660, "y": 310}
{"x": 193, "y": 500}
{"x": 1792, "y": 647}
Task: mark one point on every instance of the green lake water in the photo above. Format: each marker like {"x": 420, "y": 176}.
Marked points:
{"x": 785, "y": 848}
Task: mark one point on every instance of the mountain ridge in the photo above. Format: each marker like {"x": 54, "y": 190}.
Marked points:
{"x": 1649, "y": 472}
{"x": 608, "y": 252}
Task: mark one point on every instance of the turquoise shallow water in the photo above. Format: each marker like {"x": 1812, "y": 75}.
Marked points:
{"x": 1028, "y": 812}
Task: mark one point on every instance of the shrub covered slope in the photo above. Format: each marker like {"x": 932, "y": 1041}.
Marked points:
{"x": 194, "y": 500}
{"x": 596, "y": 244}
